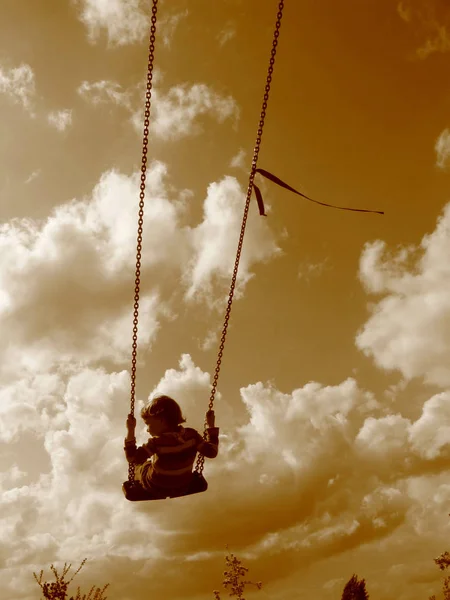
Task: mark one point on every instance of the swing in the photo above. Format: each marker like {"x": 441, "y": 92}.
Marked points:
{"x": 132, "y": 489}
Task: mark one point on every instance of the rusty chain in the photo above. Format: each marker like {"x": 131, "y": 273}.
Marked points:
{"x": 201, "y": 458}
{"x": 148, "y": 95}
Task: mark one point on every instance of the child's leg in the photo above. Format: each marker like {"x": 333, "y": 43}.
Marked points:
{"x": 139, "y": 471}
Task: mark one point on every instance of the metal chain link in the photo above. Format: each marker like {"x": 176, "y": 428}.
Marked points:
{"x": 137, "y": 282}
{"x": 201, "y": 458}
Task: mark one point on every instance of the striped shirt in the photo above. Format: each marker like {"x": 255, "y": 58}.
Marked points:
{"x": 167, "y": 460}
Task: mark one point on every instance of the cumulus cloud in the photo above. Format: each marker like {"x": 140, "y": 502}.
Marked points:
{"x": 66, "y": 283}
{"x": 174, "y": 114}
{"x": 280, "y": 464}
{"x": 409, "y": 329}
{"x": 427, "y": 438}
{"x": 123, "y": 21}
{"x": 60, "y": 119}
{"x": 317, "y": 470}
{"x": 442, "y": 148}
{"x": 19, "y": 84}
{"x": 76, "y": 509}
{"x": 215, "y": 240}
{"x": 177, "y": 113}
{"x": 189, "y": 384}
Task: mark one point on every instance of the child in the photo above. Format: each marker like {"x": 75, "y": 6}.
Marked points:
{"x": 172, "y": 448}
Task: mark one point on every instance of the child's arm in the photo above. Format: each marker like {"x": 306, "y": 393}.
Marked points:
{"x": 136, "y": 455}
{"x": 210, "y": 446}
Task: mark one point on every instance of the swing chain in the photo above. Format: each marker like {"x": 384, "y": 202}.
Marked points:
{"x": 201, "y": 458}
{"x": 148, "y": 95}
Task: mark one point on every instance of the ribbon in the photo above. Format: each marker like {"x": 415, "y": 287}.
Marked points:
{"x": 278, "y": 181}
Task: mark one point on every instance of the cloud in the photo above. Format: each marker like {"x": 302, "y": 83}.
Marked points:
{"x": 169, "y": 25}
{"x": 429, "y": 19}
{"x": 77, "y": 508}
{"x": 210, "y": 340}
{"x": 442, "y": 148}
{"x": 308, "y": 271}
{"x": 430, "y": 434}
{"x": 409, "y": 329}
{"x": 124, "y": 21}
{"x": 60, "y": 119}
{"x": 406, "y": 442}
{"x": 101, "y": 92}
{"x": 34, "y": 175}
{"x": 65, "y": 283}
{"x": 280, "y": 464}
{"x": 238, "y": 160}
{"x": 439, "y": 42}
{"x": 174, "y": 114}
{"x": 404, "y": 12}
{"x": 215, "y": 242}
{"x": 226, "y": 34}
{"x": 317, "y": 470}
{"x": 19, "y": 84}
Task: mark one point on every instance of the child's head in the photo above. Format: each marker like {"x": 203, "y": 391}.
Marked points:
{"x": 162, "y": 414}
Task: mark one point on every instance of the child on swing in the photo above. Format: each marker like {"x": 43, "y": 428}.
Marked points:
{"x": 172, "y": 448}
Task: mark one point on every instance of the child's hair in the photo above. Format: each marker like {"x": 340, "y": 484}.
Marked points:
{"x": 165, "y": 407}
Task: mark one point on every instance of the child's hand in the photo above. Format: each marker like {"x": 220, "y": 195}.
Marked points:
{"x": 210, "y": 418}
{"x": 131, "y": 423}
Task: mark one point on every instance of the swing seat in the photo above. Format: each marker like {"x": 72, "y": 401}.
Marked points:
{"x": 134, "y": 492}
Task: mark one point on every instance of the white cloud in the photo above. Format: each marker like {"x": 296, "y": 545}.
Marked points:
{"x": 296, "y": 440}
{"x": 211, "y": 340}
{"x": 409, "y": 329}
{"x": 65, "y": 283}
{"x": 442, "y": 148}
{"x": 169, "y": 25}
{"x": 385, "y": 435}
{"x": 19, "y": 84}
{"x": 34, "y": 175}
{"x": 430, "y": 434}
{"x": 226, "y": 34}
{"x": 338, "y": 468}
{"x": 60, "y": 119}
{"x": 100, "y": 92}
{"x": 176, "y": 113}
{"x": 408, "y": 443}
{"x": 124, "y": 21}
{"x": 189, "y": 385}
{"x": 310, "y": 270}
{"x": 306, "y": 417}
{"x": 215, "y": 241}
{"x": 238, "y": 160}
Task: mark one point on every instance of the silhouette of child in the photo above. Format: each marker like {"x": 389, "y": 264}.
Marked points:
{"x": 164, "y": 464}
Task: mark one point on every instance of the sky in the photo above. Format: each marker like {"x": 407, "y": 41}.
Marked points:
{"x": 334, "y": 395}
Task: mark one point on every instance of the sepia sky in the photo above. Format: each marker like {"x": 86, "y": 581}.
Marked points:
{"x": 334, "y": 396}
